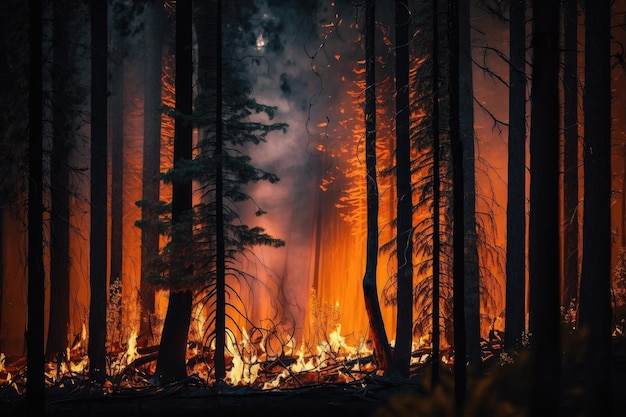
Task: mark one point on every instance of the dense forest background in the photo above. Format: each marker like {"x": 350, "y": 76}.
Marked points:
{"x": 204, "y": 188}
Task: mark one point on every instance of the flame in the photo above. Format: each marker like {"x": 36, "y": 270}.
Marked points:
{"x": 131, "y": 350}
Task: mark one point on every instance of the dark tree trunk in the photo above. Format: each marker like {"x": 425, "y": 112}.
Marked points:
{"x": 370, "y": 291}
{"x": 98, "y": 236}
{"x": 544, "y": 254}
{"x": 62, "y": 138}
{"x": 35, "y": 322}
{"x": 220, "y": 242}
{"x": 436, "y": 342}
{"x": 466, "y": 126}
{"x": 173, "y": 348}
{"x": 515, "y": 323}
{"x": 404, "y": 326}
{"x": 151, "y": 158}
{"x": 570, "y": 154}
{"x": 458, "y": 194}
{"x": 116, "y": 108}
{"x": 595, "y": 285}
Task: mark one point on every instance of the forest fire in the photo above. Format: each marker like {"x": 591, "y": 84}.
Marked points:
{"x": 316, "y": 195}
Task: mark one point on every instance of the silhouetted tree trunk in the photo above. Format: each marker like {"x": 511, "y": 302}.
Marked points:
{"x": 370, "y": 291}
{"x": 515, "y": 321}
{"x": 116, "y": 108}
{"x": 595, "y": 285}
{"x": 220, "y": 277}
{"x": 544, "y": 254}
{"x": 436, "y": 342}
{"x": 35, "y": 321}
{"x": 404, "y": 325}
{"x": 151, "y": 157}
{"x": 466, "y": 126}
{"x": 173, "y": 347}
{"x": 62, "y": 139}
{"x": 98, "y": 237}
{"x": 458, "y": 194}
{"x": 210, "y": 81}
{"x": 570, "y": 154}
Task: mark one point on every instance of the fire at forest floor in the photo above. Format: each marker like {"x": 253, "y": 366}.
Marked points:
{"x": 322, "y": 392}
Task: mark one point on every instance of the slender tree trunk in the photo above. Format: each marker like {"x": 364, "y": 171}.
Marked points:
{"x": 151, "y": 158}
{"x": 173, "y": 348}
{"x": 516, "y": 191}
{"x": 370, "y": 291}
{"x": 98, "y": 236}
{"x": 116, "y": 108}
{"x": 544, "y": 254}
{"x": 59, "y": 318}
{"x": 466, "y": 126}
{"x": 458, "y": 194}
{"x": 220, "y": 284}
{"x": 570, "y": 154}
{"x": 595, "y": 285}
{"x": 35, "y": 321}
{"x": 436, "y": 342}
{"x": 404, "y": 326}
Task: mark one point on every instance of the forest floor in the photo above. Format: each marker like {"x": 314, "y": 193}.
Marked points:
{"x": 500, "y": 387}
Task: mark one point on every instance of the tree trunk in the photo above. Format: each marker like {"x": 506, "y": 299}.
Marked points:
{"x": 151, "y": 158}
{"x": 515, "y": 321}
{"x": 98, "y": 236}
{"x": 466, "y": 131}
{"x": 35, "y": 322}
{"x": 436, "y": 338}
{"x": 220, "y": 242}
{"x": 116, "y": 108}
{"x": 370, "y": 291}
{"x": 63, "y": 72}
{"x": 404, "y": 325}
{"x": 570, "y": 154}
{"x": 458, "y": 194}
{"x": 544, "y": 254}
{"x": 173, "y": 348}
{"x": 595, "y": 285}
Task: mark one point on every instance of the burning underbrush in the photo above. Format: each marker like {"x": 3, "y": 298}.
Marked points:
{"x": 249, "y": 365}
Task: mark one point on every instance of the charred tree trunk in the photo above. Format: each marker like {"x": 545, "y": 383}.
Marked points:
{"x": 151, "y": 159}
{"x": 458, "y": 194}
{"x": 570, "y": 154}
{"x": 35, "y": 322}
{"x": 59, "y": 318}
{"x": 404, "y": 242}
{"x": 544, "y": 254}
{"x": 436, "y": 342}
{"x": 173, "y": 348}
{"x": 370, "y": 291}
{"x": 466, "y": 131}
{"x": 515, "y": 323}
{"x": 98, "y": 236}
{"x": 595, "y": 285}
